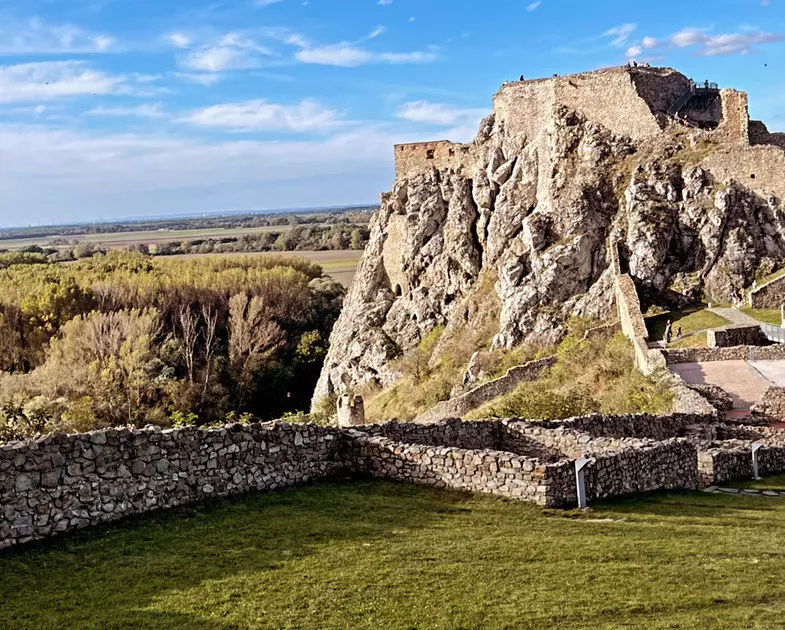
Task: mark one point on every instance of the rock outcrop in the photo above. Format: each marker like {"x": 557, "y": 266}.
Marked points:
{"x": 528, "y": 209}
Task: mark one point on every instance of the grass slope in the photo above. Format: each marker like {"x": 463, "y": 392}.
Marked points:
{"x": 766, "y": 315}
{"x": 379, "y": 555}
{"x": 690, "y": 320}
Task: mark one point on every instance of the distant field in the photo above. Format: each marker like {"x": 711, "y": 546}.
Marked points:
{"x": 123, "y": 239}
{"x": 341, "y": 264}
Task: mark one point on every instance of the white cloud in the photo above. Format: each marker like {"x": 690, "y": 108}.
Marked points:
{"x": 687, "y": 37}
{"x": 441, "y": 114}
{"x": 706, "y": 44}
{"x": 534, "y": 6}
{"x": 231, "y": 51}
{"x": 259, "y": 115}
{"x": 349, "y": 55}
{"x": 43, "y": 81}
{"x": 620, "y": 34}
{"x": 376, "y": 32}
{"x": 35, "y": 36}
{"x": 180, "y": 40}
{"x": 90, "y": 175}
{"x": 140, "y": 111}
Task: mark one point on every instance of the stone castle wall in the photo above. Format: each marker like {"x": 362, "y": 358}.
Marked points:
{"x": 738, "y": 353}
{"x": 769, "y": 295}
{"x": 771, "y": 406}
{"x": 758, "y": 168}
{"x": 461, "y": 405}
{"x": 417, "y": 157}
{"x": 65, "y": 482}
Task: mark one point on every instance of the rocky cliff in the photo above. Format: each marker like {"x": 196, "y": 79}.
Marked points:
{"x": 517, "y": 225}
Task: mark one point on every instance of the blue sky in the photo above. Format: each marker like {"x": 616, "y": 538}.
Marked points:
{"x": 117, "y": 108}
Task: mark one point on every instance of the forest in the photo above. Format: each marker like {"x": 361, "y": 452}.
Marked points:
{"x": 125, "y": 339}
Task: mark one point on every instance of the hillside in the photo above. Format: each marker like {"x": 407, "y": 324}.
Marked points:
{"x": 502, "y": 240}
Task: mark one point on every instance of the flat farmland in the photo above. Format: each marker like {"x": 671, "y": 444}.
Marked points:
{"x": 340, "y": 264}
{"x": 114, "y": 240}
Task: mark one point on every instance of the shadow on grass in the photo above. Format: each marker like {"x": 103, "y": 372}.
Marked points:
{"x": 106, "y": 577}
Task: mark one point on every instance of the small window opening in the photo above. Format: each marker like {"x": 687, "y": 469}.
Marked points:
{"x": 398, "y": 290}
{"x": 429, "y": 154}
{"x": 752, "y": 176}
{"x": 452, "y": 151}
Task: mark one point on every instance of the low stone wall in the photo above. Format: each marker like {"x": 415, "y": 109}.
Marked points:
{"x": 724, "y": 463}
{"x": 738, "y": 353}
{"x": 470, "y": 435}
{"x": 734, "y": 336}
{"x": 65, "y": 482}
{"x": 769, "y": 295}
{"x": 771, "y": 406}
{"x": 634, "y": 468}
{"x": 484, "y": 471}
{"x": 461, "y": 405}
{"x": 654, "y": 427}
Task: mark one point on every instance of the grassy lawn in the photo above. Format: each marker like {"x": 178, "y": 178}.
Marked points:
{"x": 770, "y": 483}
{"x": 698, "y": 340}
{"x": 768, "y": 316}
{"x": 690, "y": 320}
{"x": 380, "y": 555}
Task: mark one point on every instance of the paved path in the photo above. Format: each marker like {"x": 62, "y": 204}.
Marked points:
{"x": 772, "y": 494}
{"x": 740, "y": 379}
{"x": 735, "y": 316}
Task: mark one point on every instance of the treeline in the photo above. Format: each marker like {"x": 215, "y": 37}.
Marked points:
{"x": 250, "y": 220}
{"x": 298, "y": 238}
{"x": 124, "y": 339}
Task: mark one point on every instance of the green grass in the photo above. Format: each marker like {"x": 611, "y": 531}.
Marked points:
{"x": 697, "y": 340}
{"x": 776, "y": 482}
{"x": 766, "y": 315}
{"x": 379, "y": 555}
{"x": 690, "y": 320}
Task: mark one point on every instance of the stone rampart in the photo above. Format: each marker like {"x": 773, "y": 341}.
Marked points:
{"x": 734, "y": 336}
{"x": 64, "y": 482}
{"x": 759, "y": 134}
{"x": 758, "y": 168}
{"x": 470, "y": 435}
{"x": 768, "y": 295}
{"x": 738, "y": 353}
{"x": 627, "y": 101}
{"x": 461, "y": 405}
{"x": 414, "y": 158}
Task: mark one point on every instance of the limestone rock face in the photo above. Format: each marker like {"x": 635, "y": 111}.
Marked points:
{"x": 533, "y": 216}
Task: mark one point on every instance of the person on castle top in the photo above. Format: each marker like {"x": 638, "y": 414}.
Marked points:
{"x": 522, "y": 79}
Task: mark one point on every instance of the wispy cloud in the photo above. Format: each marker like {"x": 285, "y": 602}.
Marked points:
{"x": 34, "y": 36}
{"x": 534, "y": 6}
{"x": 44, "y": 81}
{"x": 140, "y": 111}
{"x": 349, "y": 55}
{"x": 260, "y": 115}
{"x": 440, "y": 113}
{"x": 706, "y": 44}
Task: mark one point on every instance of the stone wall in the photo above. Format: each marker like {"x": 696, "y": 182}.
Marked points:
{"x": 484, "y": 471}
{"x": 65, "y": 482}
{"x": 768, "y": 295}
{"x": 625, "y": 101}
{"x": 771, "y": 406}
{"x": 734, "y": 336}
{"x": 759, "y": 134}
{"x": 734, "y": 127}
{"x": 738, "y": 353}
{"x": 414, "y": 158}
{"x": 461, "y": 405}
{"x": 760, "y": 167}
{"x": 474, "y": 435}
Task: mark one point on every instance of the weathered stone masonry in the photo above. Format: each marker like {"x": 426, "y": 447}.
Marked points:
{"x": 65, "y": 482}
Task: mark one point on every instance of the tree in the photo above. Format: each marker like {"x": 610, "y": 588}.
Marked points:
{"x": 253, "y": 336}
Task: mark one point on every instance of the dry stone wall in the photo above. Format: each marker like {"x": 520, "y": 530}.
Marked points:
{"x": 771, "y": 406}
{"x": 485, "y": 393}
{"x": 65, "y": 482}
{"x": 769, "y": 295}
{"x": 737, "y": 353}
{"x": 734, "y": 336}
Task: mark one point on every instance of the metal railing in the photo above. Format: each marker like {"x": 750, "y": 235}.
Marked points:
{"x": 773, "y": 333}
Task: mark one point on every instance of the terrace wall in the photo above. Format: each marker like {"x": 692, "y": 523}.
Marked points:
{"x": 734, "y": 336}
